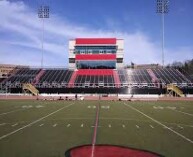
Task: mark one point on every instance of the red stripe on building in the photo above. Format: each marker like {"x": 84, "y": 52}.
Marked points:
{"x": 95, "y": 57}
{"x": 95, "y": 41}
{"x": 95, "y": 72}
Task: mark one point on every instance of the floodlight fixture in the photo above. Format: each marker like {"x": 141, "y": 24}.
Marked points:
{"x": 163, "y": 8}
{"x": 43, "y": 12}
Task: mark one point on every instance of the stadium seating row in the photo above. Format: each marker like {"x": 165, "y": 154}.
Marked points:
{"x": 134, "y": 78}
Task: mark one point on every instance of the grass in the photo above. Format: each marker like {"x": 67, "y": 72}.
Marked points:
{"x": 70, "y": 126}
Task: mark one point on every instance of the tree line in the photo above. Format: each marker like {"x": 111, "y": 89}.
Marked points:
{"x": 185, "y": 67}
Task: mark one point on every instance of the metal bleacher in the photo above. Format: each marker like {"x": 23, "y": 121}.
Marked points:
{"x": 66, "y": 80}
{"x": 94, "y": 78}
{"x": 23, "y": 75}
{"x": 140, "y": 78}
{"x": 171, "y": 76}
{"x": 135, "y": 78}
{"x": 55, "y": 78}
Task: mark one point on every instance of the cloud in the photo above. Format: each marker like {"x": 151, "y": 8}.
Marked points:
{"x": 21, "y": 33}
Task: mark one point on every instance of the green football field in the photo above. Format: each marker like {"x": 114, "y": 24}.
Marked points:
{"x": 49, "y": 128}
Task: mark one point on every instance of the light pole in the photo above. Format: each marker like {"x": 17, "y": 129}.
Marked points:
{"x": 43, "y": 12}
{"x": 163, "y": 8}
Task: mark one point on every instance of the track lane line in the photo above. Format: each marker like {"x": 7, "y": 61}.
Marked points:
{"x": 156, "y": 121}
{"x": 28, "y": 125}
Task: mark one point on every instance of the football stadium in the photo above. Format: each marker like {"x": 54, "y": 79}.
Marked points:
{"x": 96, "y": 107}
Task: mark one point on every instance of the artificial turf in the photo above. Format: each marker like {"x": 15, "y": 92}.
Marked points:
{"x": 57, "y": 126}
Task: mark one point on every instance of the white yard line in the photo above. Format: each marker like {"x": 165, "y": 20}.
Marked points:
{"x": 10, "y": 112}
{"x": 156, "y": 121}
{"x": 189, "y": 114}
{"x": 15, "y": 131}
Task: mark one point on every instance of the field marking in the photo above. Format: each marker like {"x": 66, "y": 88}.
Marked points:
{"x": 126, "y": 119}
{"x": 156, "y": 121}
{"x": 14, "y": 124}
{"x": 180, "y": 127}
{"x": 10, "y": 112}
{"x": 151, "y": 126}
{"x": 146, "y": 121}
{"x": 184, "y": 113}
{"x": 28, "y": 125}
{"x": 137, "y": 126}
{"x": 93, "y": 126}
{"x": 91, "y": 107}
{"x": 41, "y": 125}
{"x": 105, "y": 107}
{"x": 55, "y": 125}
{"x": 95, "y": 130}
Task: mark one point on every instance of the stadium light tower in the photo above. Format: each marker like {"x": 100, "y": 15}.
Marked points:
{"x": 163, "y": 8}
{"x": 43, "y": 12}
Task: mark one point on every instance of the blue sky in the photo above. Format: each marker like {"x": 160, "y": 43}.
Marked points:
{"x": 135, "y": 21}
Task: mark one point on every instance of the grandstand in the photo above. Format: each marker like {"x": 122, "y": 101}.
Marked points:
{"x": 96, "y": 66}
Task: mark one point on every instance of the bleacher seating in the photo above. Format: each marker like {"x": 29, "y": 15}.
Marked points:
{"x": 143, "y": 78}
{"x": 56, "y": 77}
{"x": 170, "y": 75}
{"x": 94, "y": 78}
{"x": 23, "y": 75}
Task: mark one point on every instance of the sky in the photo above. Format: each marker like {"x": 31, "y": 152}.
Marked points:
{"x": 135, "y": 21}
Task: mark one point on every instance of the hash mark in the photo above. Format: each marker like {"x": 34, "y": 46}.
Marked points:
{"x": 55, "y": 125}
{"x": 151, "y": 126}
{"x": 180, "y": 127}
{"x": 137, "y": 126}
{"x": 14, "y": 124}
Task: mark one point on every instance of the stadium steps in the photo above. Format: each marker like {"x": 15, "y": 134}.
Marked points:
{"x": 38, "y": 76}
{"x": 173, "y": 89}
{"x": 72, "y": 79}
{"x": 116, "y": 79}
{"x": 27, "y": 87}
